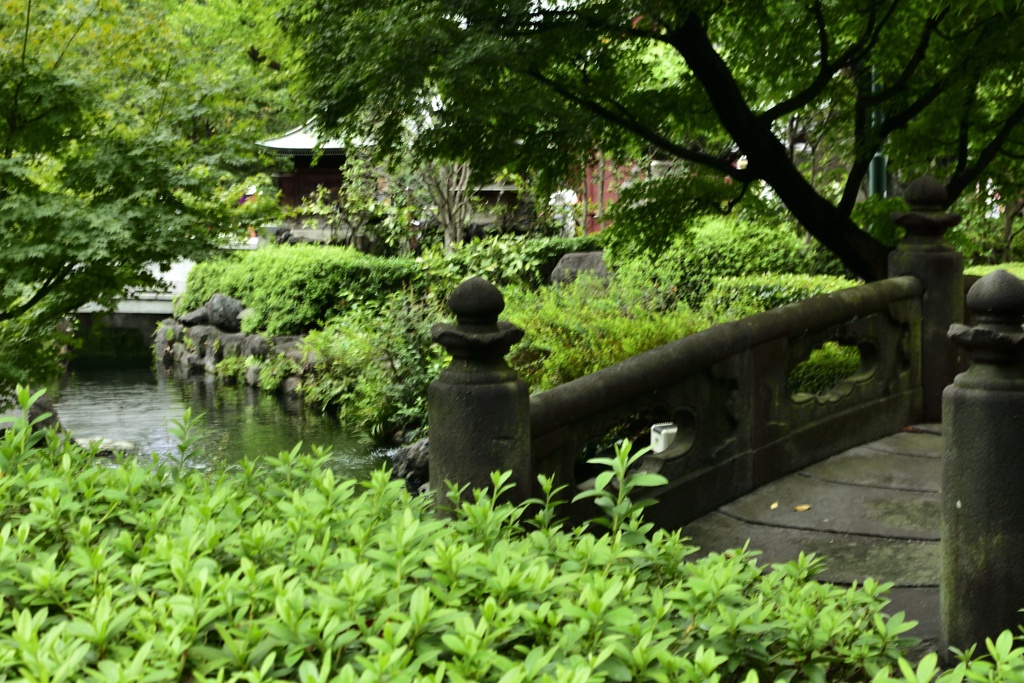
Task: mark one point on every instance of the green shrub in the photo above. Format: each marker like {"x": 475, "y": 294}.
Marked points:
{"x": 292, "y": 288}
{"x": 823, "y": 369}
{"x": 503, "y": 260}
{"x": 588, "y": 324}
{"x": 374, "y": 364}
{"x": 724, "y": 247}
{"x": 1013, "y": 267}
{"x": 275, "y": 370}
{"x": 232, "y": 367}
{"x": 281, "y": 572}
{"x": 731, "y": 298}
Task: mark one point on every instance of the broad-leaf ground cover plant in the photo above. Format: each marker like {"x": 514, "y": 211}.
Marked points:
{"x": 279, "y": 571}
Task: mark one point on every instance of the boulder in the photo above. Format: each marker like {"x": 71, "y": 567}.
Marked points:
{"x": 256, "y": 345}
{"x": 412, "y": 463}
{"x": 285, "y": 343}
{"x": 167, "y": 332}
{"x": 42, "y": 405}
{"x": 200, "y": 316}
{"x": 224, "y": 312}
{"x": 291, "y": 385}
{"x": 232, "y": 344}
{"x": 191, "y": 363}
{"x": 252, "y": 375}
{"x": 571, "y": 265}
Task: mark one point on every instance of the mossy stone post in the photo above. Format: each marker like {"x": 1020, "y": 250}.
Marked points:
{"x": 925, "y": 254}
{"x": 479, "y": 411}
{"x": 983, "y": 470}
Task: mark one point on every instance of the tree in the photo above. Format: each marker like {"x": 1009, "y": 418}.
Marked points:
{"x": 111, "y": 160}
{"x": 451, "y": 196}
{"x": 538, "y": 84}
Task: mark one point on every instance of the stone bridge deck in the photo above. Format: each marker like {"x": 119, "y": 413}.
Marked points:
{"x": 872, "y": 511}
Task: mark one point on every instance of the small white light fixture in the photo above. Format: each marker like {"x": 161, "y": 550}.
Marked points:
{"x": 662, "y": 436}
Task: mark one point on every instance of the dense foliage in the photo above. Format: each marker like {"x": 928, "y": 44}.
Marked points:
{"x": 291, "y": 289}
{"x": 737, "y": 297}
{"x": 374, "y": 364}
{"x": 369, "y": 351}
{"x": 1014, "y": 268}
{"x": 127, "y": 135}
{"x": 281, "y": 572}
{"x": 806, "y": 92}
{"x": 586, "y": 325}
{"x": 686, "y": 266}
{"x": 502, "y": 260}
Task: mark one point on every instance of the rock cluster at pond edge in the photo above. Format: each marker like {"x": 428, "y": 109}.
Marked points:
{"x": 195, "y": 342}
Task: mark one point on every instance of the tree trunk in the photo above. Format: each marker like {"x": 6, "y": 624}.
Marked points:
{"x": 769, "y": 160}
{"x": 1010, "y": 211}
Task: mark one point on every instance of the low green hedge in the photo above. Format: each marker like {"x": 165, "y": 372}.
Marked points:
{"x": 502, "y": 260}
{"x": 281, "y": 572}
{"x": 1014, "y": 268}
{"x": 292, "y": 288}
{"x": 725, "y": 247}
{"x": 588, "y": 324}
{"x": 737, "y": 297}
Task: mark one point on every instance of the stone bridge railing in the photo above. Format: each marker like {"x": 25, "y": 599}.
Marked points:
{"x": 725, "y": 388}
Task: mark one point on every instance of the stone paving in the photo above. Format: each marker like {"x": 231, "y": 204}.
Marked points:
{"x": 873, "y": 511}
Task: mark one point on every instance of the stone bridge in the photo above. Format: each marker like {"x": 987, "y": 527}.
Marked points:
{"x": 854, "y": 473}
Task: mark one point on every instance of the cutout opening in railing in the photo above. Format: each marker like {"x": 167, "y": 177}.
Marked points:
{"x": 831, "y": 371}
{"x": 637, "y": 428}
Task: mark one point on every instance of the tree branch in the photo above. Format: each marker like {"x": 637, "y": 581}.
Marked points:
{"x": 960, "y": 181}
{"x": 74, "y": 35}
{"x": 768, "y": 158}
{"x": 829, "y": 69}
{"x": 24, "y": 40}
{"x": 629, "y": 122}
{"x": 41, "y": 293}
{"x": 920, "y": 53}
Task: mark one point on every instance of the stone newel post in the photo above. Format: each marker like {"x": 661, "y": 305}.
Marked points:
{"x": 983, "y": 470}
{"x": 925, "y": 254}
{"x": 479, "y": 411}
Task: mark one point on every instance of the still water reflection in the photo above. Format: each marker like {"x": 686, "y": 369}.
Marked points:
{"x": 137, "y": 405}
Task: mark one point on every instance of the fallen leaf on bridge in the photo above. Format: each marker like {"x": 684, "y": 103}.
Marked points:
{"x": 773, "y": 505}
{"x": 802, "y": 508}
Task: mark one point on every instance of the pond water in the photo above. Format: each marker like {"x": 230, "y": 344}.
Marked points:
{"x": 138, "y": 405}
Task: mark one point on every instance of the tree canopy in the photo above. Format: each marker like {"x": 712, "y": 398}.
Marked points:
{"x": 125, "y": 141}
{"x": 540, "y": 84}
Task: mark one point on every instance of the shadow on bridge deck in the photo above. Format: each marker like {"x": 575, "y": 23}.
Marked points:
{"x": 873, "y": 512}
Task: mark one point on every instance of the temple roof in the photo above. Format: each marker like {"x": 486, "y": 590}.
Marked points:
{"x": 302, "y": 141}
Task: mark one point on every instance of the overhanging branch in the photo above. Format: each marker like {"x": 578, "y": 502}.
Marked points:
{"x": 630, "y": 123}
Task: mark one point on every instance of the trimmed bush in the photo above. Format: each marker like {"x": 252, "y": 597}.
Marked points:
{"x": 585, "y": 325}
{"x": 1013, "y": 267}
{"x": 503, "y": 260}
{"x": 731, "y": 298}
{"x": 293, "y": 288}
{"x": 281, "y": 572}
{"x": 823, "y": 369}
{"x": 724, "y": 247}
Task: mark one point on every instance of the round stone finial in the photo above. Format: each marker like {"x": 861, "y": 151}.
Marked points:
{"x": 476, "y": 302}
{"x": 998, "y": 294}
{"x": 926, "y": 220}
{"x": 926, "y": 194}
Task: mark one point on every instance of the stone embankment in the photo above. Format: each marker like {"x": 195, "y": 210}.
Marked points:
{"x": 194, "y": 343}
